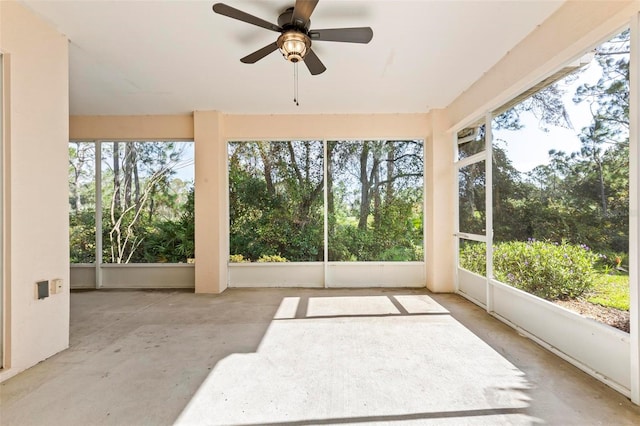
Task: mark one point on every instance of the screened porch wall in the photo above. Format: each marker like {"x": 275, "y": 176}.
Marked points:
{"x": 211, "y": 130}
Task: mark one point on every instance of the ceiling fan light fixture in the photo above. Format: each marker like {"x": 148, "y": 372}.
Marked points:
{"x": 294, "y": 45}
{"x": 296, "y": 36}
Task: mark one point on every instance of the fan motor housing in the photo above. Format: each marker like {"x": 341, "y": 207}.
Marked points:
{"x": 285, "y": 21}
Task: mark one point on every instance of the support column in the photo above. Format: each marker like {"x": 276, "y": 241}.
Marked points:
{"x": 634, "y": 208}
{"x": 211, "y": 203}
{"x": 440, "y": 192}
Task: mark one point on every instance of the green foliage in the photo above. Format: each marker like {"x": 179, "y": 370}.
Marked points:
{"x": 611, "y": 291}
{"x": 581, "y": 196}
{"x": 471, "y": 198}
{"x": 548, "y": 270}
{"x": 612, "y": 262}
{"x": 147, "y": 215}
{"x": 378, "y": 215}
{"x": 237, "y": 258}
{"x": 544, "y": 269}
{"x": 350, "y": 244}
{"x": 172, "y": 241}
{"x": 158, "y": 240}
{"x": 275, "y": 199}
{"x": 399, "y": 240}
{"x": 402, "y": 254}
{"x": 82, "y": 237}
{"x": 472, "y": 256}
{"x": 266, "y": 258}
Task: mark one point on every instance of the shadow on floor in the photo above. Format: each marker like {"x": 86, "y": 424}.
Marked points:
{"x": 299, "y": 356}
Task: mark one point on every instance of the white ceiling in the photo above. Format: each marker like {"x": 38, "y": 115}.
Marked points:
{"x": 174, "y": 57}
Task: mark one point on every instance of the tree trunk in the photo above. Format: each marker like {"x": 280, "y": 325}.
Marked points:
{"x": 294, "y": 164}
{"x": 603, "y": 195}
{"x": 365, "y": 198}
{"x": 330, "y": 199}
{"x": 136, "y": 183}
{"x": 268, "y": 167}
{"x": 470, "y": 190}
{"x": 307, "y": 146}
{"x": 152, "y": 204}
{"x": 77, "y": 172}
{"x": 391, "y": 153}
{"x": 129, "y": 159}
{"x": 375, "y": 188}
{"x": 117, "y": 205}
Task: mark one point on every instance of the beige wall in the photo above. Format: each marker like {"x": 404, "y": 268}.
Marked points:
{"x": 239, "y": 127}
{"x": 440, "y": 199}
{"x": 36, "y": 140}
{"x": 212, "y": 246}
{"x": 131, "y": 127}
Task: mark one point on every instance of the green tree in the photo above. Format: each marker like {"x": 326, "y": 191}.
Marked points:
{"x": 580, "y": 196}
{"x": 82, "y": 231}
{"x": 377, "y": 200}
{"x": 275, "y": 200}
{"x": 141, "y": 199}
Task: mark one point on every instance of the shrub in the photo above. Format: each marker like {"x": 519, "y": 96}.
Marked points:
{"x": 551, "y": 271}
{"x": 548, "y": 270}
{"x": 238, "y": 258}
{"x": 611, "y": 262}
{"x": 82, "y": 236}
{"x": 402, "y": 254}
{"x": 473, "y": 257}
{"x": 271, "y": 258}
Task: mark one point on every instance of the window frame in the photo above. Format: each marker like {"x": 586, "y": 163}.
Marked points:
{"x": 327, "y": 274}
{"x": 113, "y": 274}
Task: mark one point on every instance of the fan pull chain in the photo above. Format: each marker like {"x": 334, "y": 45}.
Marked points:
{"x": 295, "y": 83}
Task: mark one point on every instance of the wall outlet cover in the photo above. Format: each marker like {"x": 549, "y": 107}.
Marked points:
{"x": 56, "y": 285}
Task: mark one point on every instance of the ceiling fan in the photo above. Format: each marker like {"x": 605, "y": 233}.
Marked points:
{"x": 295, "y": 36}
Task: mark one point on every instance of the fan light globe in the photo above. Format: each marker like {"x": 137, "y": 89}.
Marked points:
{"x": 293, "y": 45}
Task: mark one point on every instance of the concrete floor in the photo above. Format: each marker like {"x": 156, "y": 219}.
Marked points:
{"x": 300, "y": 357}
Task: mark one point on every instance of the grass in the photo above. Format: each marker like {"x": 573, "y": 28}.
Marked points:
{"x": 611, "y": 291}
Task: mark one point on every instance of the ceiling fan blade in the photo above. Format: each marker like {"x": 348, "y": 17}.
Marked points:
{"x": 254, "y": 57}
{"x": 302, "y": 11}
{"x": 314, "y": 63}
{"x": 234, "y": 13}
{"x": 348, "y": 35}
